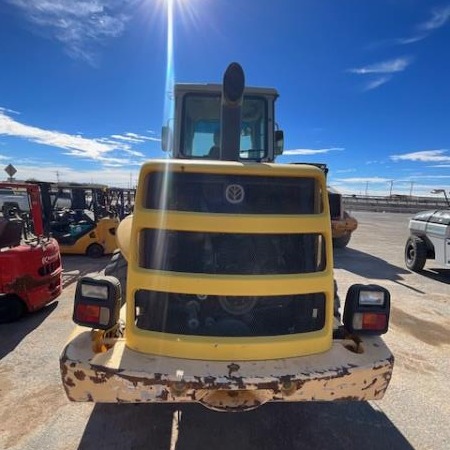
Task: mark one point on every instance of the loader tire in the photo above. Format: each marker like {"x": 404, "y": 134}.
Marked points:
{"x": 415, "y": 253}
{"x": 337, "y": 303}
{"x": 342, "y": 242}
{"x": 118, "y": 267}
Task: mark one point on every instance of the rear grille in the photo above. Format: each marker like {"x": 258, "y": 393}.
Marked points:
{"x": 199, "y": 315}
{"x": 231, "y": 194}
{"x": 231, "y": 254}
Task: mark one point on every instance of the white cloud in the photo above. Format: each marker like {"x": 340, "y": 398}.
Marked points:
{"x": 79, "y": 25}
{"x": 143, "y": 137}
{"x": 308, "y": 151}
{"x": 135, "y": 138}
{"x": 429, "y": 177}
{"x": 124, "y": 147}
{"x": 364, "y": 180}
{"x": 92, "y": 148}
{"x": 8, "y": 111}
{"x": 126, "y": 138}
{"x": 344, "y": 170}
{"x": 134, "y": 153}
{"x": 103, "y": 150}
{"x": 440, "y": 17}
{"x": 423, "y": 156}
{"x": 411, "y": 40}
{"x": 390, "y": 66}
{"x": 46, "y": 171}
{"x": 377, "y": 82}
{"x": 385, "y": 71}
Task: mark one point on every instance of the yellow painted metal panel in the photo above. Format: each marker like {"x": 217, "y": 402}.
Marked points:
{"x": 223, "y": 348}
{"x": 261, "y": 285}
{"x": 228, "y": 168}
{"x": 229, "y": 348}
{"x": 230, "y": 223}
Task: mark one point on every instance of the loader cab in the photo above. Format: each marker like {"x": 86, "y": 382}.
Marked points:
{"x": 195, "y": 132}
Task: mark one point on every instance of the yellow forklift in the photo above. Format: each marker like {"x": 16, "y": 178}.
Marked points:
{"x": 87, "y": 226}
{"x": 120, "y": 201}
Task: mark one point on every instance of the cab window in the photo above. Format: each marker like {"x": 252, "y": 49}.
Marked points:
{"x": 200, "y": 134}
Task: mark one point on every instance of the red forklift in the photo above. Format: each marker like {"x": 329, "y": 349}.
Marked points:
{"x": 30, "y": 261}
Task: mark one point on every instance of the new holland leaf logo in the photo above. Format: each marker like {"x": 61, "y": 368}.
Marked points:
{"x": 234, "y": 193}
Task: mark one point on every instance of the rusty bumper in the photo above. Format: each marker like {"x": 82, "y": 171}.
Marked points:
{"x": 123, "y": 375}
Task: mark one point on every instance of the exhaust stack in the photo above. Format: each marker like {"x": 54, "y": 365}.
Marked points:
{"x": 230, "y": 118}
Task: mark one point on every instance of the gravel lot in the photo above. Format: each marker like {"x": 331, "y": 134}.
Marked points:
{"x": 35, "y": 413}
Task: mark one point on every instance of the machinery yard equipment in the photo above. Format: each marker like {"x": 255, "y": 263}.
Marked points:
{"x": 30, "y": 261}
{"x": 88, "y": 226}
{"x": 229, "y": 299}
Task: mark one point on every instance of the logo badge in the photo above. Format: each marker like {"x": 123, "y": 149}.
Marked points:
{"x": 235, "y": 194}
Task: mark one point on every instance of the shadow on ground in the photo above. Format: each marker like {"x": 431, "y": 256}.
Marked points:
{"x": 427, "y": 331}
{"x": 11, "y": 334}
{"x": 441, "y": 275}
{"x": 340, "y": 425}
{"x": 369, "y": 266}
{"x": 76, "y": 266}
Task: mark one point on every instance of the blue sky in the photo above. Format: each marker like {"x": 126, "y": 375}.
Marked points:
{"x": 364, "y": 85}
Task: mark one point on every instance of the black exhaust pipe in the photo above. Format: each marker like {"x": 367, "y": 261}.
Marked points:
{"x": 231, "y": 106}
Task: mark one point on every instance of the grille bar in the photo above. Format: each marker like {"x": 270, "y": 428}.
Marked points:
{"x": 232, "y": 316}
{"x": 231, "y": 254}
{"x": 231, "y": 194}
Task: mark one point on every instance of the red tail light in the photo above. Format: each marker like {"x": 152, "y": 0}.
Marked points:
{"x": 370, "y": 321}
{"x": 97, "y": 302}
{"x": 367, "y": 309}
{"x": 87, "y": 313}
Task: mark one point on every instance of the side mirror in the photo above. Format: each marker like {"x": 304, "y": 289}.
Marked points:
{"x": 166, "y": 138}
{"x": 279, "y": 142}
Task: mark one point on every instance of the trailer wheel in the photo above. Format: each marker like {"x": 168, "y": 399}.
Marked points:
{"x": 415, "y": 253}
{"x": 11, "y": 309}
{"x": 118, "y": 267}
{"x": 95, "y": 251}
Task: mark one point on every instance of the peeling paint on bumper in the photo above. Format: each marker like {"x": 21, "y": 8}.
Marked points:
{"x": 123, "y": 375}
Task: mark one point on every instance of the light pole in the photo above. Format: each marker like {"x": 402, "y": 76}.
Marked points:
{"x": 390, "y": 190}
{"x": 441, "y": 191}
